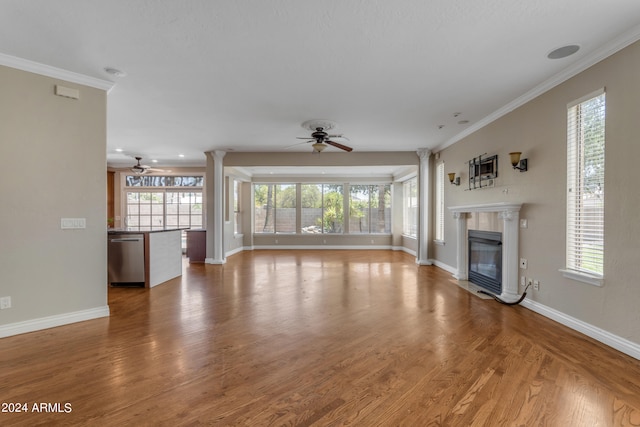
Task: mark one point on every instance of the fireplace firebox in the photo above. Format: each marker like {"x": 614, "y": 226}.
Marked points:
{"x": 485, "y": 260}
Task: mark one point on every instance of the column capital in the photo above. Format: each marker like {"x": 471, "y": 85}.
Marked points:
{"x": 459, "y": 215}
{"x": 424, "y": 154}
{"x": 507, "y": 215}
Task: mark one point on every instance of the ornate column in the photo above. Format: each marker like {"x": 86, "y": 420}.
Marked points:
{"x": 215, "y": 208}
{"x": 461, "y": 245}
{"x": 424, "y": 207}
{"x": 510, "y": 241}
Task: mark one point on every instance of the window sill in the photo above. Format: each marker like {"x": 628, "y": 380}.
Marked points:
{"x": 439, "y": 242}
{"x": 583, "y": 277}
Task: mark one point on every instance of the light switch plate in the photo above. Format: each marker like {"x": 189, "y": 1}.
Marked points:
{"x": 73, "y": 223}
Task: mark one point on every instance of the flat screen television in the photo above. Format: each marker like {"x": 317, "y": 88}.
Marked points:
{"x": 483, "y": 169}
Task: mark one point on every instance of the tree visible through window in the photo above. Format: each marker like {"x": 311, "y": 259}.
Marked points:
{"x": 370, "y": 209}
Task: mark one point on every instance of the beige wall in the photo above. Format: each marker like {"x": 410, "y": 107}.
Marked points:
{"x": 538, "y": 129}
{"x": 53, "y": 152}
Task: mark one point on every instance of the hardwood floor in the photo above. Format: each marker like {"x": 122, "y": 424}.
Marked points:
{"x": 363, "y": 338}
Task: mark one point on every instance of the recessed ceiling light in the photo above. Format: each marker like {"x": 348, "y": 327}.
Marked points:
{"x": 180, "y": 155}
{"x": 154, "y": 161}
{"x": 119, "y": 150}
{"x": 563, "y": 52}
{"x": 115, "y": 72}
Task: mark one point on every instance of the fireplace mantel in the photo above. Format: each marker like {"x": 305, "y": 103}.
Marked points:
{"x": 509, "y": 213}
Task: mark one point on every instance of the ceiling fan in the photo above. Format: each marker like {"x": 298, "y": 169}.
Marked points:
{"x": 320, "y": 138}
{"x": 142, "y": 169}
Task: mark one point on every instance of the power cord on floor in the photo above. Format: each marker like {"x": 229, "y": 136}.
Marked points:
{"x": 501, "y": 301}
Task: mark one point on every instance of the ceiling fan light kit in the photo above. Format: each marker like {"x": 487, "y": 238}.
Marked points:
{"x": 320, "y": 138}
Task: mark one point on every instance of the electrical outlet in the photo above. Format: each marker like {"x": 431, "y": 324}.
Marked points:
{"x": 5, "y": 302}
{"x": 523, "y": 263}
{"x": 523, "y": 281}
{"x": 536, "y": 285}
{"x": 524, "y": 223}
{"x": 529, "y": 281}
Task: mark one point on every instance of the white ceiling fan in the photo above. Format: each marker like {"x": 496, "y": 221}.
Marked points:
{"x": 140, "y": 169}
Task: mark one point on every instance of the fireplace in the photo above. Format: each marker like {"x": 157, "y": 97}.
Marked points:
{"x": 508, "y": 213}
{"x": 485, "y": 259}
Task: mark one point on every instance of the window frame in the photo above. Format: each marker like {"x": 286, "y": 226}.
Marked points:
{"x": 439, "y": 204}
{"x": 585, "y": 203}
{"x": 410, "y": 225}
{"x": 372, "y": 192}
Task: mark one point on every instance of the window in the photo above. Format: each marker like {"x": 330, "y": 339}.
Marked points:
{"x": 155, "y": 210}
{"x": 439, "y": 202}
{"x": 183, "y": 209}
{"x": 370, "y": 209}
{"x": 154, "y": 202}
{"x": 145, "y": 210}
{"x": 275, "y": 208}
{"x": 322, "y": 208}
{"x": 585, "y": 188}
{"x": 163, "y": 181}
{"x": 237, "y": 229}
{"x": 410, "y": 207}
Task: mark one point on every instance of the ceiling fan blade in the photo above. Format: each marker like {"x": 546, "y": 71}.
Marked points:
{"x": 298, "y": 143}
{"x": 305, "y": 137}
{"x": 338, "y": 145}
{"x": 339, "y": 136}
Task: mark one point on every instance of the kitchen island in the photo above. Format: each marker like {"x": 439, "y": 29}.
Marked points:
{"x": 144, "y": 258}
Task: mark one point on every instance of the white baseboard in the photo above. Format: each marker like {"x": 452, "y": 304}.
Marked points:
{"x": 321, "y": 247}
{"x": 403, "y": 249}
{"x": 623, "y": 345}
{"x": 235, "y": 251}
{"x": 52, "y": 321}
{"x": 445, "y": 267}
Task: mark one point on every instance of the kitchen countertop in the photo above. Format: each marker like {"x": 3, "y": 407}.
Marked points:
{"x": 138, "y": 230}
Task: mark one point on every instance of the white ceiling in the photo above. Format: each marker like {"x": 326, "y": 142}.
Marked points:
{"x": 244, "y": 74}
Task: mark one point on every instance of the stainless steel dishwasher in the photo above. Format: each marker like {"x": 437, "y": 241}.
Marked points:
{"x": 126, "y": 260}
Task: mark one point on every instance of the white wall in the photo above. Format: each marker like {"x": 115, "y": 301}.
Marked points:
{"x": 538, "y": 129}
{"x": 53, "y": 152}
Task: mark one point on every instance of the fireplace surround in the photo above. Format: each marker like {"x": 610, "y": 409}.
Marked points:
{"x": 509, "y": 214}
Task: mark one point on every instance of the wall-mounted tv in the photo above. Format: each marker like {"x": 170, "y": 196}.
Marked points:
{"x": 482, "y": 169}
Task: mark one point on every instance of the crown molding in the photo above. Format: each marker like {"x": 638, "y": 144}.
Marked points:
{"x": 56, "y": 73}
{"x": 617, "y": 44}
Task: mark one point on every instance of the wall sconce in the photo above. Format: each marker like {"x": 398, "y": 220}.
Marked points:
{"x": 453, "y": 179}
{"x": 521, "y": 165}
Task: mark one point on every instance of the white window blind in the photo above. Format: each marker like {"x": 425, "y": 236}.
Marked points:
{"x": 410, "y": 208}
{"x": 585, "y": 185}
{"x": 439, "y": 223}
